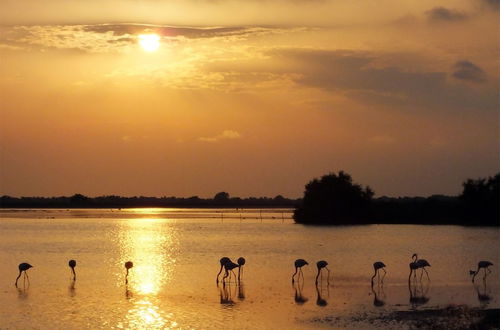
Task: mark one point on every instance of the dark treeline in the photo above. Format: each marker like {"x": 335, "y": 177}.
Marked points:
{"x": 221, "y": 199}
{"x": 335, "y": 200}
{"x": 330, "y": 200}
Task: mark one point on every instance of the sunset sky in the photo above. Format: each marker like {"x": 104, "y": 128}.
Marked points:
{"x": 252, "y": 97}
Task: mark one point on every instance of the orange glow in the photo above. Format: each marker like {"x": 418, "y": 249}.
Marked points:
{"x": 149, "y": 42}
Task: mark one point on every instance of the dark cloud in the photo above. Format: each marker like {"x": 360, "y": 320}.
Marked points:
{"x": 170, "y": 31}
{"x": 439, "y": 14}
{"x": 493, "y": 4}
{"x": 355, "y": 75}
{"x": 466, "y": 70}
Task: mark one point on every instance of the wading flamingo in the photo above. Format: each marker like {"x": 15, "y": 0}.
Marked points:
{"x": 377, "y": 266}
{"x": 222, "y": 261}
{"x": 299, "y": 263}
{"x": 419, "y": 263}
{"x": 322, "y": 264}
{"x": 128, "y": 265}
{"x": 241, "y": 262}
{"x": 72, "y": 265}
{"x": 23, "y": 267}
{"x": 482, "y": 264}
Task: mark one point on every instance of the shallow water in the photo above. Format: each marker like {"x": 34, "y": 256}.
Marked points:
{"x": 176, "y": 259}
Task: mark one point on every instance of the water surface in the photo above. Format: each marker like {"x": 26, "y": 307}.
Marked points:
{"x": 176, "y": 258}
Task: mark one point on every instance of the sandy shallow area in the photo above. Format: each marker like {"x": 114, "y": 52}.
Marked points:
{"x": 450, "y": 317}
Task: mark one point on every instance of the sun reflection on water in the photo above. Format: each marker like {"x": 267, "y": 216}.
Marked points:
{"x": 151, "y": 244}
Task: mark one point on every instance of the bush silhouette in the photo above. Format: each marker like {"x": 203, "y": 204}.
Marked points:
{"x": 480, "y": 201}
{"x": 334, "y": 199}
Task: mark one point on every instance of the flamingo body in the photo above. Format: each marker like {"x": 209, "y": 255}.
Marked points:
{"x": 228, "y": 267}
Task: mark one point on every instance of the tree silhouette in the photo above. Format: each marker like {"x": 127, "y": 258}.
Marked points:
{"x": 480, "y": 200}
{"x": 221, "y": 197}
{"x": 334, "y": 199}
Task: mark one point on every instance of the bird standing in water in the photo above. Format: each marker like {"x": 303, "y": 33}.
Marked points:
{"x": 419, "y": 263}
{"x": 72, "y": 265}
{"x": 23, "y": 267}
{"x": 222, "y": 261}
{"x": 299, "y": 263}
{"x": 241, "y": 262}
{"x": 228, "y": 267}
{"x": 377, "y": 266}
{"x": 322, "y": 264}
{"x": 484, "y": 265}
{"x": 128, "y": 265}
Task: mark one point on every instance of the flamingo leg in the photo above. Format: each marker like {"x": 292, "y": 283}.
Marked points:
{"x": 220, "y": 271}
{"x": 296, "y": 269}
{"x": 328, "y": 278}
{"x": 426, "y": 273}
{"x": 126, "y": 277}
{"x": 383, "y": 276}
{"x": 319, "y": 271}
{"x": 18, "y": 278}
{"x": 27, "y": 277}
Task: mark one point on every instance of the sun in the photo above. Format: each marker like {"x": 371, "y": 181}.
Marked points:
{"x": 149, "y": 42}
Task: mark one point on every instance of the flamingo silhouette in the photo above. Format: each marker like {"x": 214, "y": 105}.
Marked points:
{"x": 222, "y": 261}
{"x": 128, "y": 265}
{"x": 482, "y": 264}
{"x": 299, "y": 263}
{"x": 229, "y": 266}
{"x": 241, "y": 262}
{"x": 72, "y": 265}
{"x": 419, "y": 263}
{"x": 377, "y": 266}
{"x": 23, "y": 267}
{"x": 322, "y": 264}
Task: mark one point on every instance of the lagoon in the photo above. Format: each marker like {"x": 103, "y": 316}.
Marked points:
{"x": 176, "y": 256}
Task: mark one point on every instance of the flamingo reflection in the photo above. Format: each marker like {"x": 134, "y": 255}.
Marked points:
{"x": 418, "y": 293}
{"x": 226, "y": 296}
{"x": 320, "y": 300}
{"x": 299, "y": 297}
{"x": 483, "y": 294}
{"x": 378, "y": 294}
{"x": 241, "y": 292}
